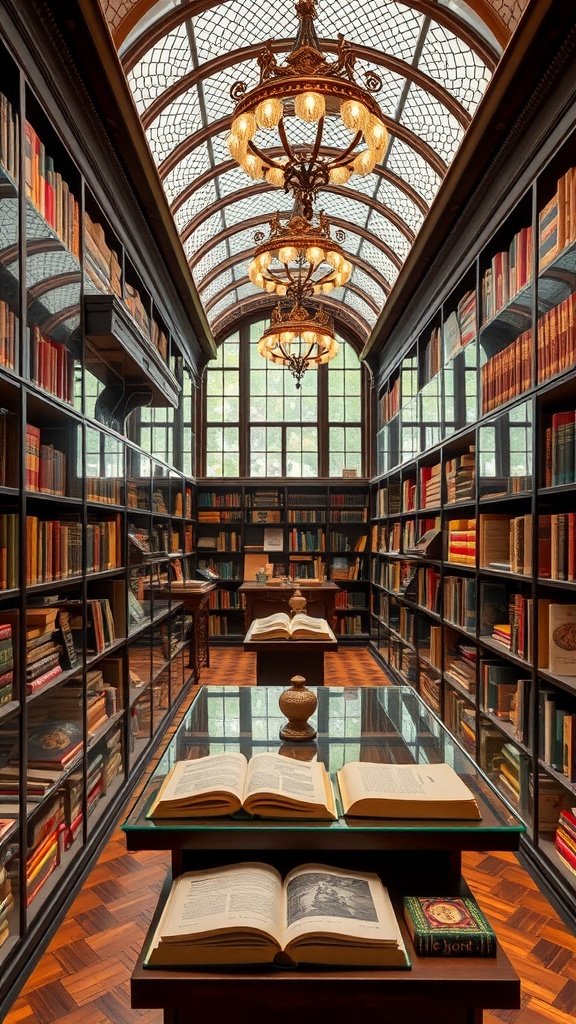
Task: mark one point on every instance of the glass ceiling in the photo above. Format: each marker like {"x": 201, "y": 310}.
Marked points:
{"x": 181, "y": 57}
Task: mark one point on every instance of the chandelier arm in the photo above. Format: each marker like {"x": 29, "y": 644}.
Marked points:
{"x": 258, "y": 152}
{"x": 343, "y": 158}
{"x": 284, "y": 140}
{"x": 326, "y": 276}
{"x": 318, "y": 140}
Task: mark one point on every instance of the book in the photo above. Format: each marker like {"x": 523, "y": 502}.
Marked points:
{"x": 269, "y": 785}
{"x": 54, "y": 743}
{"x": 562, "y": 633}
{"x": 448, "y": 926}
{"x": 246, "y": 914}
{"x": 279, "y": 626}
{"x": 405, "y": 791}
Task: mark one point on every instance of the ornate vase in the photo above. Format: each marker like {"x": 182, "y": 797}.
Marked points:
{"x": 297, "y": 703}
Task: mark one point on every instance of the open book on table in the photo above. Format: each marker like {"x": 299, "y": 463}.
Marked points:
{"x": 405, "y": 791}
{"x": 246, "y": 914}
{"x": 280, "y": 626}
{"x": 269, "y": 785}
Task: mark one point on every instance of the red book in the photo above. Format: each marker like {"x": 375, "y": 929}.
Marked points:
{"x": 42, "y": 680}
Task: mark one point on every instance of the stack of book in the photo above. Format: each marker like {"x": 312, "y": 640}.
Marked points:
{"x": 430, "y": 486}
{"x": 557, "y": 219}
{"x": 6, "y": 662}
{"x": 462, "y": 541}
{"x": 565, "y": 839}
{"x": 101, "y": 263}
{"x": 9, "y": 548}
{"x": 460, "y": 474}
{"x": 45, "y": 645}
{"x": 461, "y": 668}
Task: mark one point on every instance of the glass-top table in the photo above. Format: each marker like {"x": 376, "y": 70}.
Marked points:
{"x": 389, "y": 724}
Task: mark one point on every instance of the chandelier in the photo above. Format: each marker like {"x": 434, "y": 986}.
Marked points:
{"x": 307, "y": 90}
{"x": 298, "y": 339}
{"x": 299, "y": 259}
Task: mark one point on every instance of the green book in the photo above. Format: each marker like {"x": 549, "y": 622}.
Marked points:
{"x": 448, "y": 926}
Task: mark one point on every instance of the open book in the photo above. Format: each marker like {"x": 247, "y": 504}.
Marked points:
{"x": 405, "y": 791}
{"x": 280, "y": 626}
{"x": 270, "y": 785}
{"x": 245, "y": 914}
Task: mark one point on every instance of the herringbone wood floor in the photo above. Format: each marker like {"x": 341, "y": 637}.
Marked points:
{"x": 83, "y": 977}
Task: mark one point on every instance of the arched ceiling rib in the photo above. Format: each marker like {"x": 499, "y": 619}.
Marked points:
{"x": 181, "y": 57}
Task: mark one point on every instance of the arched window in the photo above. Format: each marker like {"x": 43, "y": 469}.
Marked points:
{"x": 257, "y": 423}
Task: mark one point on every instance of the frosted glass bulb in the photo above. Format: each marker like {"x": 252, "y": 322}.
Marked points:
{"x": 354, "y": 115}
{"x": 333, "y": 258}
{"x": 281, "y": 289}
{"x": 327, "y": 287}
{"x": 264, "y": 260}
{"x": 287, "y": 254}
{"x": 237, "y": 147}
{"x": 253, "y": 271}
{"x": 287, "y": 337}
{"x": 364, "y": 162}
{"x": 309, "y": 106}
{"x": 244, "y": 126}
{"x": 338, "y": 280}
{"x": 275, "y": 175}
{"x": 258, "y": 280}
{"x": 315, "y": 255}
{"x": 375, "y": 134}
{"x": 252, "y": 164}
{"x": 270, "y": 285}
{"x": 345, "y": 269}
{"x": 269, "y": 112}
{"x": 309, "y": 337}
{"x": 339, "y": 175}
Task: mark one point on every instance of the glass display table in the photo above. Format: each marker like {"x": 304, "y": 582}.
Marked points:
{"x": 388, "y": 724}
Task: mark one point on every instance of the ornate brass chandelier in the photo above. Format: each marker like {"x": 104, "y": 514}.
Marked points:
{"x": 299, "y": 259}
{"x": 298, "y": 339}
{"x": 310, "y": 90}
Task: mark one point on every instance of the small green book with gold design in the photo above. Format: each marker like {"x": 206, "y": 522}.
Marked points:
{"x": 448, "y": 926}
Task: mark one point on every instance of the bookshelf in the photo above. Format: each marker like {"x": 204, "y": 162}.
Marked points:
{"x": 93, "y": 659}
{"x": 299, "y": 531}
{"x": 475, "y": 443}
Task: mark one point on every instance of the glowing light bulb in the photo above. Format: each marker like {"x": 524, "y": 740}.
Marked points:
{"x": 264, "y": 260}
{"x": 286, "y": 337}
{"x": 339, "y": 175}
{"x": 364, "y": 162}
{"x": 275, "y": 175}
{"x": 252, "y": 164}
{"x": 315, "y": 255}
{"x": 354, "y": 115}
{"x": 309, "y": 106}
{"x": 244, "y": 126}
{"x": 236, "y": 147}
{"x": 309, "y": 337}
{"x": 333, "y": 258}
{"x": 376, "y": 135}
{"x": 287, "y": 253}
{"x": 269, "y": 112}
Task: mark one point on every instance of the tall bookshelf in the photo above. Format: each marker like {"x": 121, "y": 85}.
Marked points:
{"x": 299, "y": 531}
{"x": 93, "y": 662}
{"x": 473, "y": 553}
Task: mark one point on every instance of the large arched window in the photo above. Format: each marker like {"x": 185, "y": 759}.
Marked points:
{"x": 259, "y": 424}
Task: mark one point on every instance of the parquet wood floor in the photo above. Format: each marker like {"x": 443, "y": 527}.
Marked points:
{"x": 83, "y": 977}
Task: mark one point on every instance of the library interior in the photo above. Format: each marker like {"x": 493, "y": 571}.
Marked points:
{"x": 287, "y": 463}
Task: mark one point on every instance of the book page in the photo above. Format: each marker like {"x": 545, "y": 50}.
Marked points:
{"x": 336, "y": 902}
{"x": 309, "y": 624}
{"x": 279, "y": 623}
{"x": 221, "y": 773}
{"x": 304, "y": 782}
{"x": 242, "y": 897}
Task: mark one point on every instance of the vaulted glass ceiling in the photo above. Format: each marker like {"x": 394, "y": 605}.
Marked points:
{"x": 181, "y": 57}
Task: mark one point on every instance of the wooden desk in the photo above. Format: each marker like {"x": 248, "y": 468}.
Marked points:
{"x": 278, "y": 660}
{"x": 390, "y": 724}
{"x": 261, "y": 599}
{"x": 195, "y": 601}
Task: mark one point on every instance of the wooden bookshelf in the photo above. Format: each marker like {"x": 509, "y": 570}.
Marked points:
{"x": 482, "y": 418}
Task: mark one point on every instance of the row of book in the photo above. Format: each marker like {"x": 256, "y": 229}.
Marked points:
{"x": 9, "y": 549}
{"x": 389, "y": 404}
{"x": 565, "y": 839}
{"x": 105, "y": 489}
{"x": 556, "y": 633}
{"x": 460, "y": 474}
{"x": 45, "y": 465}
{"x": 52, "y": 365}
{"x": 226, "y": 599}
{"x": 223, "y": 516}
{"x": 349, "y": 625}
{"x": 306, "y": 540}
{"x": 214, "y": 499}
{"x": 557, "y": 339}
{"x": 6, "y": 663}
{"x": 342, "y": 542}
{"x": 8, "y": 332}
{"x": 101, "y": 263}
{"x": 557, "y": 725}
{"x": 53, "y": 549}
{"x": 557, "y": 219}
{"x": 462, "y": 541}
{"x": 9, "y": 138}
{"x": 49, "y": 193}
{"x": 507, "y": 373}
{"x": 510, "y": 270}
{"x": 560, "y": 449}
